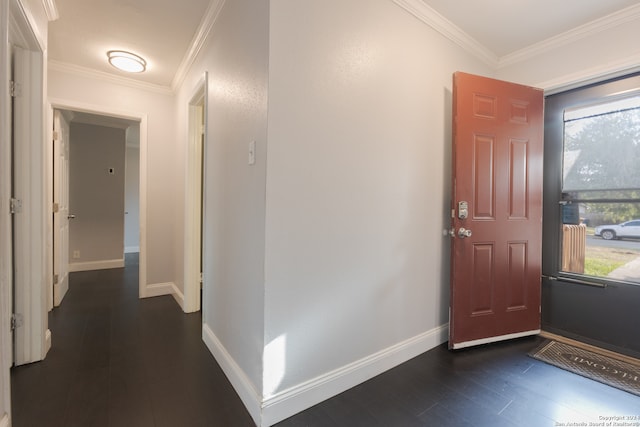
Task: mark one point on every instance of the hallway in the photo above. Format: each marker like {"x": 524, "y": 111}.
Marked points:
{"x": 117, "y": 360}
{"x": 120, "y": 361}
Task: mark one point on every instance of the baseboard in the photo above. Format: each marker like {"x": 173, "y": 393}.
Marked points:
{"x": 300, "y": 397}
{"x": 239, "y": 380}
{"x": 4, "y": 421}
{"x": 131, "y": 249}
{"x": 159, "y": 289}
{"x": 178, "y": 296}
{"x": 47, "y": 341}
{"x": 96, "y": 265}
{"x": 305, "y": 395}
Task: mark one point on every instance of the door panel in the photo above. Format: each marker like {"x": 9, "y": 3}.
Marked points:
{"x": 497, "y": 170}
{"x": 483, "y": 177}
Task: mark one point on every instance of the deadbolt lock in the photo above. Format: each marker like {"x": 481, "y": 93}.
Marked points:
{"x": 463, "y": 210}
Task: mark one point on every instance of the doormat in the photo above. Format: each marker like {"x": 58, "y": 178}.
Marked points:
{"x": 616, "y": 373}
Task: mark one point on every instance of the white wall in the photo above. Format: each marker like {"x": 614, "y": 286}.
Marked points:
{"x": 132, "y": 195}
{"x": 358, "y": 184}
{"x": 357, "y": 190}
{"x": 233, "y": 303}
{"x": 96, "y": 196}
{"x": 162, "y": 188}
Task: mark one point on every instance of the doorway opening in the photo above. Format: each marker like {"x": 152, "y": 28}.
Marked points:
{"x": 96, "y": 163}
{"x": 102, "y": 116}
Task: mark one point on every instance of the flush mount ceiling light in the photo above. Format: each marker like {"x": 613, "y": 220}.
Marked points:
{"x": 126, "y": 61}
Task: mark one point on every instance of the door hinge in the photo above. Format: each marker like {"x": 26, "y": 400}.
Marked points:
{"x": 15, "y": 89}
{"x": 56, "y": 208}
{"x": 55, "y": 135}
{"x": 56, "y": 278}
{"x": 15, "y": 205}
{"x": 17, "y": 320}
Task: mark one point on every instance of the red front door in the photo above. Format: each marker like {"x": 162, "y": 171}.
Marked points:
{"x": 497, "y": 240}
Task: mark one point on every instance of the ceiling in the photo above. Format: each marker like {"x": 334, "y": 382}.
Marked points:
{"x": 163, "y": 31}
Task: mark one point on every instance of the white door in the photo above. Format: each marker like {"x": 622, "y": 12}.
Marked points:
{"x": 19, "y": 141}
{"x": 60, "y": 207}
{"x": 29, "y": 225}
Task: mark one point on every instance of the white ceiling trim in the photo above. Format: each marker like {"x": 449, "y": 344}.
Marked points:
{"x": 210, "y": 17}
{"x": 101, "y": 75}
{"x": 607, "y": 22}
{"x": 429, "y": 16}
{"x": 22, "y": 17}
{"x": 51, "y": 9}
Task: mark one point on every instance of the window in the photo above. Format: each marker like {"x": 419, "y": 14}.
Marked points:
{"x": 600, "y": 190}
{"x": 590, "y": 142}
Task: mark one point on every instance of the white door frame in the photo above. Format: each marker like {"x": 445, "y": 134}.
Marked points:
{"x": 65, "y": 104}
{"x": 5, "y": 227}
{"x": 17, "y": 30}
{"x": 6, "y": 275}
{"x": 193, "y": 196}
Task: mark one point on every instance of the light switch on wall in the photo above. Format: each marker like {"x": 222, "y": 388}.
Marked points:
{"x": 252, "y": 153}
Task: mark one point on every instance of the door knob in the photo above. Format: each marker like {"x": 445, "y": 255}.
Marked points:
{"x": 463, "y": 232}
{"x": 71, "y": 217}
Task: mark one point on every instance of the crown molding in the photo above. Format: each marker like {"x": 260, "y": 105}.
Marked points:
{"x": 199, "y": 39}
{"x": 613, "y": 20}
{"x": 111, "y": 78}
{"x": 429, "y": 16}
{"x": 51, "y": 9}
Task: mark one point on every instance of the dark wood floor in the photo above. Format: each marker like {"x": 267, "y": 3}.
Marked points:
{"x": 120, "y": 361}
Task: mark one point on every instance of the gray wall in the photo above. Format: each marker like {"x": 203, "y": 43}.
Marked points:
{"x": 96, "y": 197}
